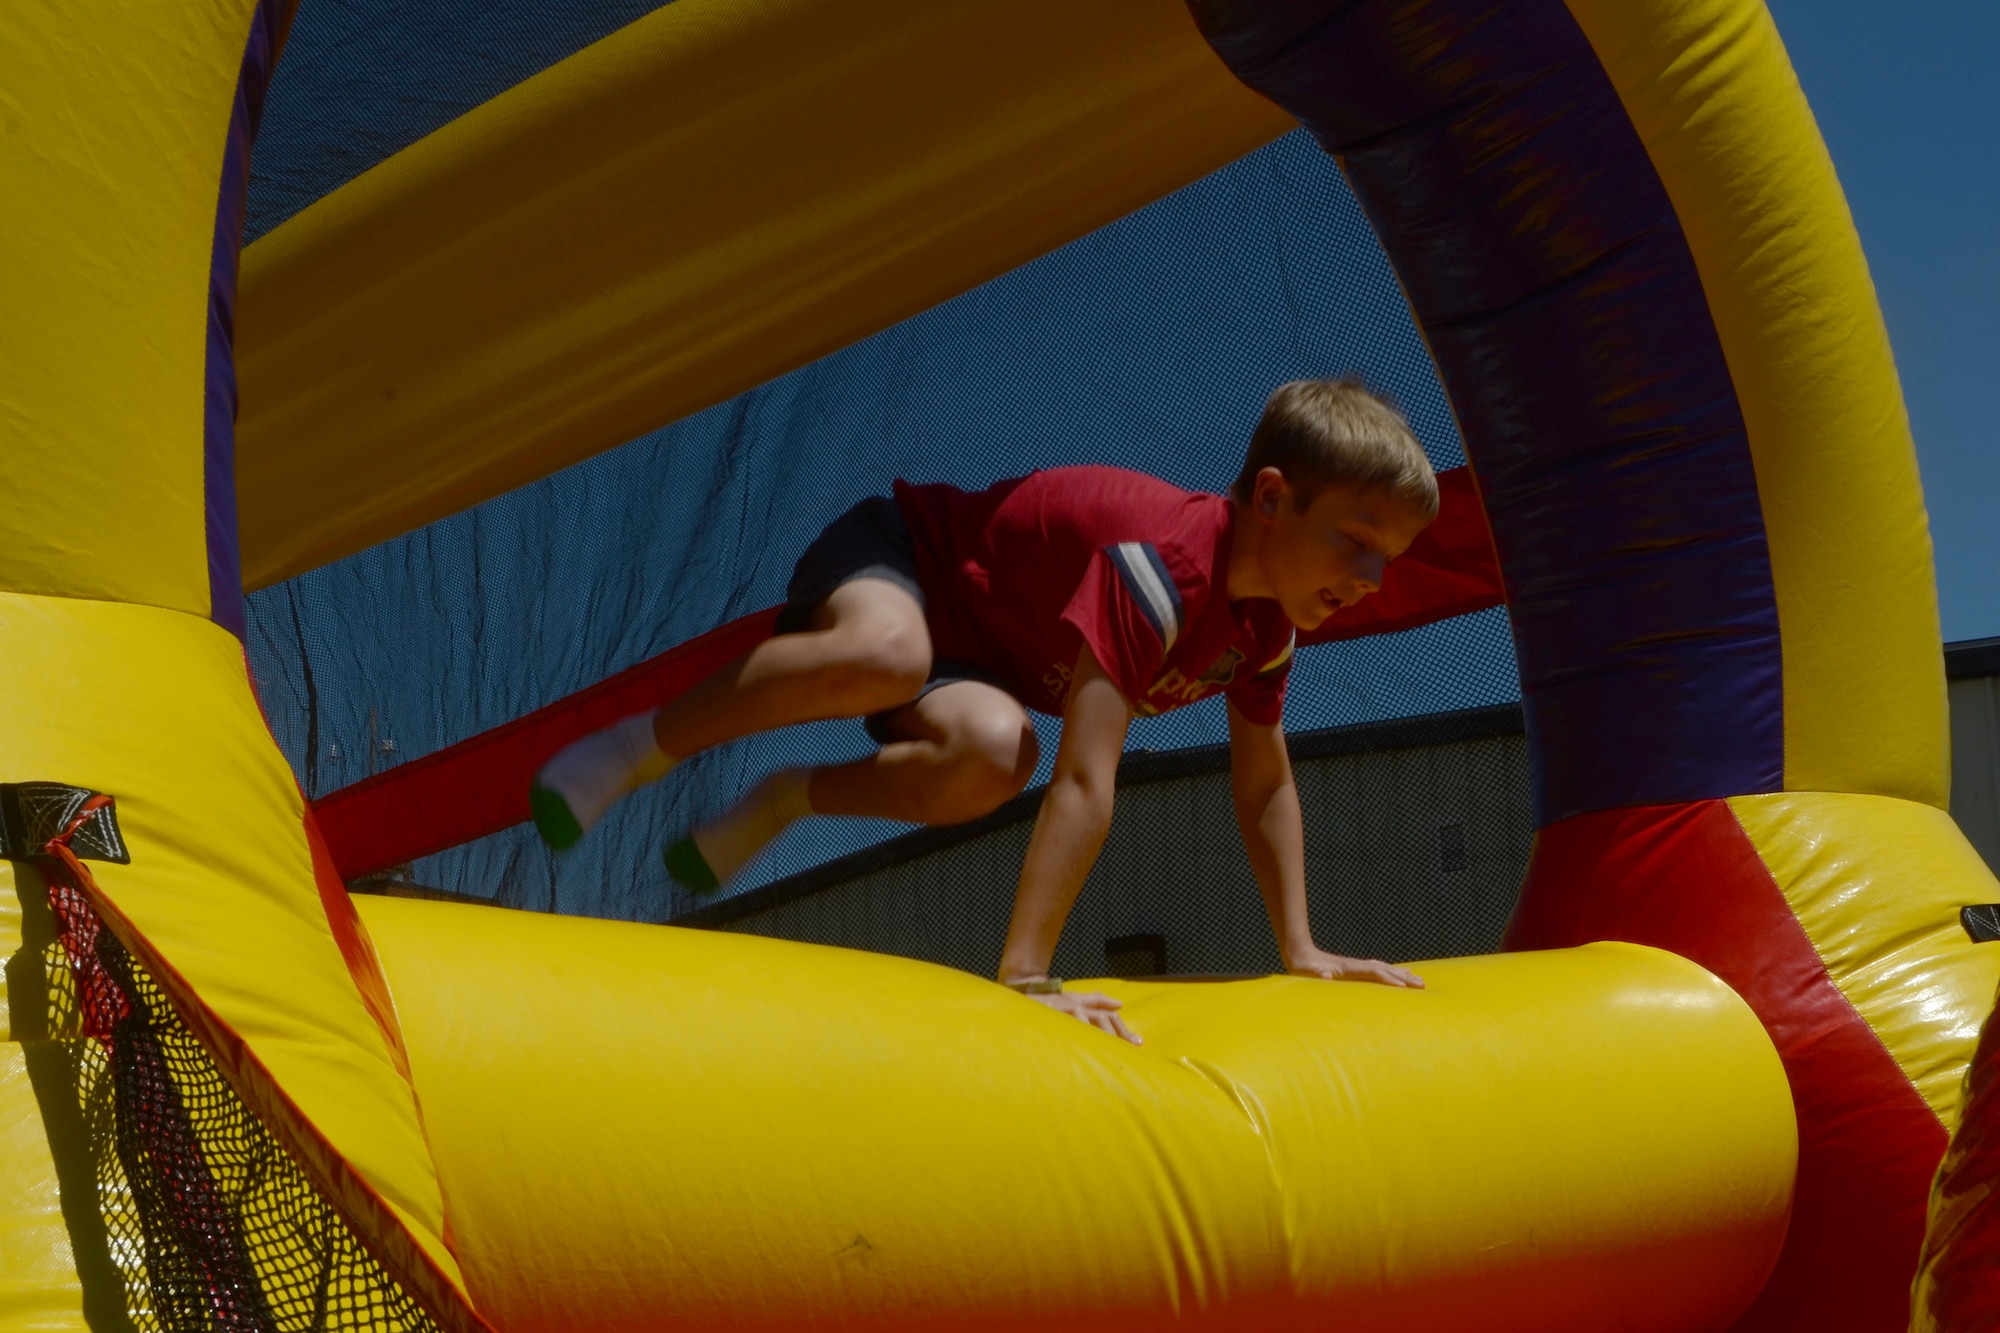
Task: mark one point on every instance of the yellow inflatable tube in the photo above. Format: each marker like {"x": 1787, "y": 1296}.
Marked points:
{"x": 707, "y": 198}
{"x": 642, "y": 1127}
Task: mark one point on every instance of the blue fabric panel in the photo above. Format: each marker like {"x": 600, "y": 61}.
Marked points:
{"x": 225, "y": 562}
{"x": 1548, "y": 271}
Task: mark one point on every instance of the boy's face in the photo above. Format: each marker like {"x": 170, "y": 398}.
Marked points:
{"x": 1332, "y": 554}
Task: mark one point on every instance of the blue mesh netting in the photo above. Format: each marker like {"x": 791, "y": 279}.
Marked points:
{"x": 1149, "y": 344}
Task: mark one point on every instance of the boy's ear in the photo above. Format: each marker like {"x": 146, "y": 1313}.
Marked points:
{"x": 1268, "y": 492}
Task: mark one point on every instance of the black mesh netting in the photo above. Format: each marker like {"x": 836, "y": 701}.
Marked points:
{"x": 209, "y": 1225}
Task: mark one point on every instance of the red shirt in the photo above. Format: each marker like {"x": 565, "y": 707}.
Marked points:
{"x": 1016, "y": 577}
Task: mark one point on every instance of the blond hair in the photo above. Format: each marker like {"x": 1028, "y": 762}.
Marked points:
{"x": 1323, "y": 433}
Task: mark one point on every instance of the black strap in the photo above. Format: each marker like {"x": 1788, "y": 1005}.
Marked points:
{"x": 31, "y": 813}
{"x": 1981, "y": 922}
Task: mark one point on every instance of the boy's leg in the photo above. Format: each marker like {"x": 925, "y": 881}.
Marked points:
{"x": 958, "y": 753}
{"x": 954, "y": 754}
{"x": 865, "y": 648}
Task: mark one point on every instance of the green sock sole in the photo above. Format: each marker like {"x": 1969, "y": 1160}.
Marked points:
{"x": 553, "y": 819}
{"x": 690, "y": 868}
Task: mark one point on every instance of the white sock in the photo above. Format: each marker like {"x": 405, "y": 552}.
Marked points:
{"x": 592, "y": 772}
{"x": 768, "y": 810}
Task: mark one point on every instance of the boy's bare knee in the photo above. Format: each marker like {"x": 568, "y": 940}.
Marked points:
{"x": 1014, "y": 748}
{"x": 993, "y": 758}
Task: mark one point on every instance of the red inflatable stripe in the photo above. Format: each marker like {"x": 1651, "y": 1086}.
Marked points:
{"x": 1687, "y": 878}
{"x": 480, "y": 785}
{"x": 1958, "y": 1290}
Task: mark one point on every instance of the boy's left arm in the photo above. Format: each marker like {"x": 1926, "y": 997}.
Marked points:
{"x": 1267, "y": 811}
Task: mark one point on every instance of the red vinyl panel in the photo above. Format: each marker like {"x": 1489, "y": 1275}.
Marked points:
{"x": 1687, "y": 878}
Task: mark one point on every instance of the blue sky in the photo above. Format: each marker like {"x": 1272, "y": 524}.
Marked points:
{"x": 1908, "y": 97}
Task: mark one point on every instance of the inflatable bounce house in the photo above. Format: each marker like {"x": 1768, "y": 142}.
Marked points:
{"x": 1710, "y": 1082}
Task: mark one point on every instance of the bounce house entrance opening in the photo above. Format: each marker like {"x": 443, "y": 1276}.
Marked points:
{"x": 1150, "y": 344}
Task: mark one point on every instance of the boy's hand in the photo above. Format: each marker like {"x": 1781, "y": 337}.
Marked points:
{"x": 1337, "y": 967}
{"x": 1100, "y": 1011}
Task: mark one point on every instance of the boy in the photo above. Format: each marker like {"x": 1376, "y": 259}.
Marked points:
{"x": 942, "y": 616}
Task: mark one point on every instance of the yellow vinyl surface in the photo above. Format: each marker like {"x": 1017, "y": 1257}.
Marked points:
{"x": 155, "y": 707}
{"x": 1878, "y": 884}
{"x": 1713, "y": 97}
{"x": 39, "y": 1283}
{"x": 646, "y": 1127}
{"x": 112, "y": 122}
{"x": 714, "y": 195}
{"x": 39, "y": 1286}
{"x": 1593, "y": 1130}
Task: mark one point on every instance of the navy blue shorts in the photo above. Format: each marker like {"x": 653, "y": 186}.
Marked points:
{"x": 869, "y": 541}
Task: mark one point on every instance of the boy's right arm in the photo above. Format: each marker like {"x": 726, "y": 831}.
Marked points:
{"x": 1069, "y": 832}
